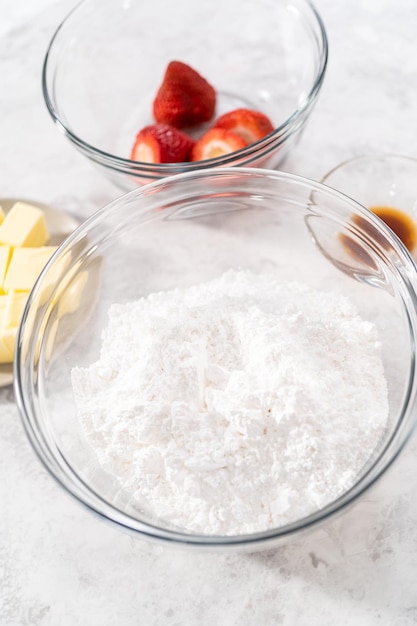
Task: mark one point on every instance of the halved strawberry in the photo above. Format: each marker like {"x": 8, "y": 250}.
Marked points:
{"x": 216, "y": 142}
{"x": 249, "y": 124}
{"x": 161, "y": 143}
{"x": 184, "y": 98}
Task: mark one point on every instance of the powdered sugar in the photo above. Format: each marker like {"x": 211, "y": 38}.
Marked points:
{"x": 236, "y": 405}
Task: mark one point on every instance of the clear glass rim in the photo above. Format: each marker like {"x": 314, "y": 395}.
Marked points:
{"x": 243, "y": 156}
{"x": 370, "y": 157}
{"x": 67, "y": 477}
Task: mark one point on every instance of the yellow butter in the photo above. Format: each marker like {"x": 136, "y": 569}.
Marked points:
{"x": 24, "y": 225}
{"x": 8, "y": 338}
{"x": 53, "y": 277}
{"x": 15, "y": 305}
{"x": 4, "y": 299}
{"x": 5, "y": 254}
{"x": 71, "y": 298}
{"x": 11, "y": 310}
{"x": 25, "y": 266}
{"x": 23, "y": 255}
{"x": 6, "y": 355}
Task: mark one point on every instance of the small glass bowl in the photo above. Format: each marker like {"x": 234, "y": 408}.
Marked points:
{"x": 107, "y": 59}
{"x": 384, "y": 183}
{"x": 182, "y": 231}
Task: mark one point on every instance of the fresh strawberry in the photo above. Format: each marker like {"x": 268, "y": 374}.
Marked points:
{"x": 216, "y": 142}
{"x": 185, "y": 98}
{"x": 160, "y": 143}
{"x": 249, "y": 124}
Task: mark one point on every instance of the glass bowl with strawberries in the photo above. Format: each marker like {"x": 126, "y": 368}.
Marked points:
{"x": 147, "y": 91}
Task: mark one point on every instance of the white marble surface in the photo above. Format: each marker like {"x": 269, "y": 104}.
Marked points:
{"x": 61, "y": 566}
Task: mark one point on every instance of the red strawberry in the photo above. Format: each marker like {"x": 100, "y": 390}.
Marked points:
{"x": 251, "y": 125}
{"x": 185, "y": 98}
{"x": 216, "y": 142}
{"x": 160, "y": 143}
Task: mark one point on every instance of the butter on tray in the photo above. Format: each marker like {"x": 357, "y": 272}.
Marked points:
{"x": 21, "y": 273}
{"x": 23, "y": 255}
{"x": 24, "y": 252}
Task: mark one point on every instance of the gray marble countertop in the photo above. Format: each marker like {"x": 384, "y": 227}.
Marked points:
{"x": 59, "y": 565}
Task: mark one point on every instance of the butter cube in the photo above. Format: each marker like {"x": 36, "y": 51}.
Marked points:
{"x": 25, "y": 266}
{"x": 4, "y": 299}
{"x": 24, "y": 225}
{"x": 11, "y": 310}
{"x": 8, "y": 338}
{"x": 6, "y": 355}
{"x": 16, "y": 302}
{"x": 1, "y": 215}
{"x": 5, "y": 254}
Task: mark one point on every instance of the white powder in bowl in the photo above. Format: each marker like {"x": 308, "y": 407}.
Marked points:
{"x": 236, "y": 405}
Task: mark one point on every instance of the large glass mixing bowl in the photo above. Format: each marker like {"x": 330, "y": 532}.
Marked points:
{"x": 182, "y": 231}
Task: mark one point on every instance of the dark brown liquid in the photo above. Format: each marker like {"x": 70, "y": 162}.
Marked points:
{"x": 400, "y": 223}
